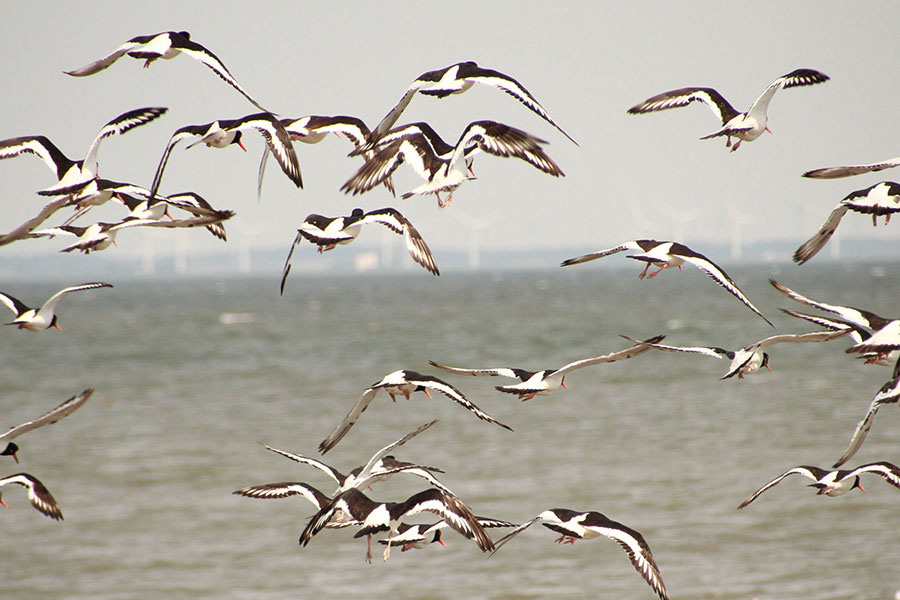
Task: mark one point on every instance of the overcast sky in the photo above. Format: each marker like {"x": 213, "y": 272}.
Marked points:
{"x": 587, "y": 63}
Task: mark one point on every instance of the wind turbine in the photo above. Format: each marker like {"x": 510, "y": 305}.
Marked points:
{"x": 473, "y": 226}
{"x": 737, "y": 220}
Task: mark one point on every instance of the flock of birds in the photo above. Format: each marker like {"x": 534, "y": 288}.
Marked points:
{"x": 444, "y": 168}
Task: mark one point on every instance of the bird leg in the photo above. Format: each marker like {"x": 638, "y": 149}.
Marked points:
{"x": 369, "y": 549}
{"x": 387, "y": 550}
{"x": 524, "y": 397}
{"x": 737, "y": 145}
{"x": 565, "y": 539}
{"x": 663, "y": 266}
{"x": 644, "y": 272}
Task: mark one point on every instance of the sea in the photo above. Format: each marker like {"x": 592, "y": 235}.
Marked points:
{"x": 191, "y": 377}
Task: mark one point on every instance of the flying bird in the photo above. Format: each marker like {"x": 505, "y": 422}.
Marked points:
{"x": 444, "y": 170}
{"x": 746, "y": 126}
{"x": 410, "y": 537}
{"x": 835, "y": 482}
{"x": 881, "y": 199}
{"x": 165, "y": 45}
{"x": 63, "y": 410}
{"x": 223, "y": 133}
{"x": 456, "y": 79}
{"x": 386, "y": 516}
{"x": 752, "y": 358}
{"x": 39, "y": 496}
{"x": 665, "y": 255}
{"x": 39, "y": 319}
{"x": 74, "y": 175}
{"x": 573, "y": 525}
{"x": 329, "y": 232}
{"x": 544, "y": 382}
{"x": 402, "y": 382}
{"x": 312, "y": 129}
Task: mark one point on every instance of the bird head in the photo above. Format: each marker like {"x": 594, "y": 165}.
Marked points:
{"x": 765, "y": 361}
{"x": 53, "y": 323}
{"x": 11, "y": 450}
{"x": 857, "y": 484}
{"x": 2, "y": 502}
{"x": 237, "y": 140}
{"x": 437, "y": 538}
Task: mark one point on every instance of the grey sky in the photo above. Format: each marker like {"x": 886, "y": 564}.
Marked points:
{"x": 586, "y": 62}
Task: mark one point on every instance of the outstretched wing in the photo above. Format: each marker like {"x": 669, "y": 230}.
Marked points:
{"x": 381, "y": 453}
{"x": 631, "y": 245}
{"x": 63, "y": 410}
{"x": 717, "y": 103}
{"x": 502, "y": 140}
{"x": 711, "y": 351}
{"x": 493, "y": 372}
{"x": 433, "y": 383}
{"x": 415, "y": 244}
{"x": 890, "y": 472}
{"x": 284, "y": 489}
{"x": 888, "y": 394}
{"x": 344, "y": 426}
{"x": 813, "y": 473}
{"x": 205, "y": 56}
{"x": 638, "y": 348}
{"x": 50, "y": 304}
{"x": 856, "y": 316}
{"x": 812, "y": 246}
{"x": 836, "y": 172}
{"x": 99, "y": 65}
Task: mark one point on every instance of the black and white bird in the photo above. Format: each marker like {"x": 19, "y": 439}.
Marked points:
{"x": 74, "y": 175}
{"x": 39, "y": 319}
{"x": 456, "y": 79}
{"x": 379, "y": 467}
{"x": 63, "y": 410}
{"x": 39, "y": 496}
{"x": 165, "y": 45}
{"x": 329, "y": 232}
{"x": 421, "y": 535}
{"x": 547, "y": 381}
{"x": 386, "y": 516}
{"x": 746, "y": 126}
{"x": 402, "y": 382}
{"x": 665, "y": 255}
{"x": 881, "y": 347}
{"x": 100, "y": 236}
{"x": 425, "y": 151}
{"x": 573, "y": 525}
{"x": 881, "y": 199}
{"x": 838, "y": 172}
{"x": 834, "y": 482}
{"x": 312, "y": 129}
{"x": 225, "y": 132}
{"x": 888, "y": 394}
{"x": 752, "y": 358}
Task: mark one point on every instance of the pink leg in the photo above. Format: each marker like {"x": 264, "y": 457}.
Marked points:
{"x": 644, "y": 272}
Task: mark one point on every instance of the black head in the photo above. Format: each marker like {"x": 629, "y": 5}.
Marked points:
{"x": 765, "y": 361}
{"x": 437, "y": 538}
{"x": 357, "y": 213}
{"x": 11, "y": 450}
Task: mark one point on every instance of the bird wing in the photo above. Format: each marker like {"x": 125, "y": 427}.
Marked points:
{"x": 812, "y": 246}
{"x": 717, "y": 103}
{"x": 50, "y": 304}
{"x": 284, "y": 489}
{"x": 287, "y": 263}
{"x": 890, "y": 472}
{"x": 887, "y": 338}
{"x": 638, "y": 348}
{"x": 14, "y": 304}
{"x": 330, "y": 471}
{"x": 453, "y": 511}
{"x": 205, "y": 56}
{"x": 63, "y": 410}
{"x": 502, "y": 140}
{"x": 198, "y": 206}
{"x": 39, "y": 496}
{"x": 413, "y": 149}
{"x": 795, "y": 78}
{"x": 124, "y": 122}
{"x": 344, "y": 426}
{"x": 476, "y": 74}
{"x": 813, "y": 473}
{"x": 857, "y": 333}
{"x": 40, "y": 146}
{"x": 635, "y": 547}
{"x": 716, "y": 274}
{"x": 181, "y": 133}
{"x": 888, "y": 394}
{"x": 454, "y": 394}
{"x": 99, "y": 65}
{"x": 631, "y": 245}
{"x": 381, "y": 453}
{"x": 415, "y": 244}
{"x": 711, "y": 351}
{"x": 837, "y": 172}
{"x": 800, "y": 338}
{"x": 856, "y": 316}
{"x": 493, "y": 372}
{"x": 417, "y": 470}
{"x": 278, "y": 141}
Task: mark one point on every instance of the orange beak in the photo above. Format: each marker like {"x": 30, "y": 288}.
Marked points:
{"x": 15, "y": 456}
{"x": 426, "y": 392}
{"x": 241, "y": 144}
{"x": 59, "y": 328}
{"x": 563, "y": 383}
{"x": 3, "y": 503}
{"x": 441, "y": 542}
{"x": 769, "y": 130}
{"x": 768, "y": 367}
{"x": 861, "y": 488}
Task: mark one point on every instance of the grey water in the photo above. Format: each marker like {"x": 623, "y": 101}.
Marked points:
{"x": 192, "y": 376}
